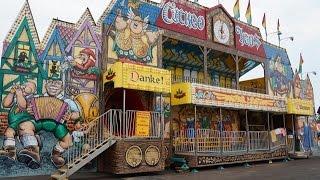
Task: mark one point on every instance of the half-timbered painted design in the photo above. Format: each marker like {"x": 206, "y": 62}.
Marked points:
{"x": 20, "y": 61}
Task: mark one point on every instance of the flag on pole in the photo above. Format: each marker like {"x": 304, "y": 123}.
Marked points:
{"x": 264, "y": 25}
{"x": 264, "y": 21}
{"x": 248, "y": 14}
{"x": 278, "y": 26}
{"x": 236, "y": 10}
{"x": 300, "y": 64}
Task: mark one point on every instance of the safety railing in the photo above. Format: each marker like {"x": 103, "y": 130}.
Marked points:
{"x": 234, "y": 141}
{"x": 93, "y": 135}
{"x": 189, "y": 79}
{"x": 252, "y": 89}
{"x": 278, "y": 141}
{"x": 184, "y": 141}
{"x": 258, "y": 140}
{"x": 208, "y": 140}
{"x": 226, "y": 142}
{"x": 155, "y": 125}
{"x": 111, "y": 125}
{"x": 290, "y": 143}
{"x": 186, "y": 79}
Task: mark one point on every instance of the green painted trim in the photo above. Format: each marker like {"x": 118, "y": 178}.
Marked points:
{"x": 1, "y": 90}
{"x": 6, "y": 71}
{"x": 15, "y": 41}
{"x": 10, "y": 84}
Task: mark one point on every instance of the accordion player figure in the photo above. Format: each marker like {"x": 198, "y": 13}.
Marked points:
{"x": 30, "y": 114}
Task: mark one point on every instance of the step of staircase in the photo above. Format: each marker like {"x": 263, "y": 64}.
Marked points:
{"x": 69, "y": 169}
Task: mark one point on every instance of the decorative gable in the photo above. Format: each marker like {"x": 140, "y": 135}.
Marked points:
{"x": 86, "y": 36}
{"x": 220, "y": 26}
{"x": 84, "y": 50}
{"x": 21, "y": 54}
{"x": 24, "y": 14}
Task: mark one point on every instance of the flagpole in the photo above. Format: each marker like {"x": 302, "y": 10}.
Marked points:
{"x": 279, "y": 33}
{"x": 265, "y": 30}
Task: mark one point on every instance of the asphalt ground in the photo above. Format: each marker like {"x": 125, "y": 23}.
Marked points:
{"x": 302, "y": 169}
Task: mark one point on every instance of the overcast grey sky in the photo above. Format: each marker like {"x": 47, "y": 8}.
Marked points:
{"x": 297, "y": 18}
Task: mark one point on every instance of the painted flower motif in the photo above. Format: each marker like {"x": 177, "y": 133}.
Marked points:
{"x": 131, "y": 52}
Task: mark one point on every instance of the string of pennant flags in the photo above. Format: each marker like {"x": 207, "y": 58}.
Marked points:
{"x": 248, "y": 15}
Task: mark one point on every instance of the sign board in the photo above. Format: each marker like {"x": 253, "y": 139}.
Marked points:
{"x": 139, "y": 77}
{"x": 181, "y": 94}
{"x": 142, "y": 124}
{"x": 300, "y": 107}
{"x": 191, "y": 93}
{"x": 183, "y": 18}
{"x": 249, "y": 40}
{"x": 223, "y": 97}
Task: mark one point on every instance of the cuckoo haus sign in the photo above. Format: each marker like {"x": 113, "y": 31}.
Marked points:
{"x": 183, "y": 18}
{"x": 249, "y": 40}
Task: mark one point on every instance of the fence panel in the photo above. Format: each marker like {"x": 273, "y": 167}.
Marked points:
{"x": 184, "y": 141}
{"x": 258, "y": 140}
{"x": 208, "y": 140}
{"x": 234, "y": 141}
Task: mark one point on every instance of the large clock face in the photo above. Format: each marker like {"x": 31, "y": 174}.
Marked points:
{"x": 221, "y": 32}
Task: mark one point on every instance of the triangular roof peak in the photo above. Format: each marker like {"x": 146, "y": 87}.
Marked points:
{"x": 25, "y": 12}
{"x": 92, "y": 30}
{"x": 220, "y": 6}
{"x": 85, "y": 16}
{"x": 104, "y": 14}
{"x": 53, "y": 25}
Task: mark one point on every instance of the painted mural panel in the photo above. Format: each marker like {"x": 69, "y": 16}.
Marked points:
{"x": 207, "y": 118}
{"x": 38, "y": 106}
{"x": 302, "y": 88}
{"x": 249, "y": 39}
{"x": 183, "y": 17}
{"x": 134, "y": 35}
{"x": 279, "y": 71}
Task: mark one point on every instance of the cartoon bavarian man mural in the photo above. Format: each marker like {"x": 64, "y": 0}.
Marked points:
{"x": 20, "y": 122}
{"x": 54, "y": 88}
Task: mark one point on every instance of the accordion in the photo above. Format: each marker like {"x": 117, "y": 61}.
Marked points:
{"x": 49, "y": 108}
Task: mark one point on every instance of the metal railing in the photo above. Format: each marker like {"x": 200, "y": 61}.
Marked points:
{"x": 278, "y": 142}
{"x": 96, "y": 133}
{"x": 225, "y": 142}
{"x": 110, "y": 125}
{"x": 155, "y": 128}
{"x": 291, "y": 143}
{"x": 252, "y": 89}
{"x": 208, "y": 140}
{"x": 234, "y": 141}
{"x": 184, "y": 141}
{"x": 258, "y": 140}
{"x": 188, "y": 79}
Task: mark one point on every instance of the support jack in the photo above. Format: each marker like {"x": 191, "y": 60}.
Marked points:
{"x": 194, "y": 171}
{"x": 270, "y": 161}
{"x": 247, "y": 165}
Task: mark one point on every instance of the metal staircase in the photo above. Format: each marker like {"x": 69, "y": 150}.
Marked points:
{"x": 98, "y": 136}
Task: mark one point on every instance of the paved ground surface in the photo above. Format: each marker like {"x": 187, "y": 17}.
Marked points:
{"x": 306, "y": 169}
